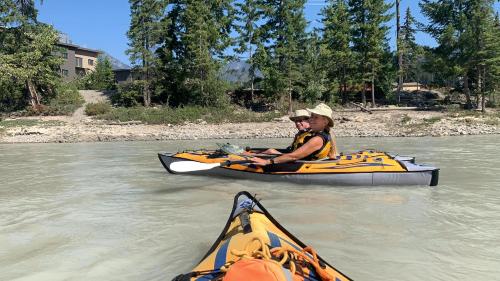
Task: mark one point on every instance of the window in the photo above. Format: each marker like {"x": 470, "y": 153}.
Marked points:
{"x": 65, "y": 55}
{"x": 91, "y": 62}
{"x": 64, "y": 72}
{"x": 79, "y": 62}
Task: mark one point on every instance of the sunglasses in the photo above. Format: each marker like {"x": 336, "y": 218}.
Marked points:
{"x": 301, "y": 120}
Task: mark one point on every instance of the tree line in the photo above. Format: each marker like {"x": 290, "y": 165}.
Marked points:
{"x": 178, "y": 47}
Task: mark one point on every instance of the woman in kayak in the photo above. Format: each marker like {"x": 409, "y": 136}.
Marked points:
{"x": 318, "y": 145}
{"x": 301, "y": 119}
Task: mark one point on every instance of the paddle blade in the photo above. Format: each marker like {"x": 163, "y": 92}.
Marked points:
{"x": 191, "y": 166}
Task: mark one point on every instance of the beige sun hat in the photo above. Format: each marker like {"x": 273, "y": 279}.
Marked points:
{"x": 300, "y": 113}
{"x": 323, "y": 110}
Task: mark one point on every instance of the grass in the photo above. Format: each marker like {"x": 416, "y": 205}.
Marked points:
{"x": 432, "y": 120}
{"x": 405, "y": 119}
{"x": 5, "y": 124}
{"x": 100, "y": 108}
{"x": 192, "y": 114}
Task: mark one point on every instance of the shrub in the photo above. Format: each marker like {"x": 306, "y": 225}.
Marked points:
{"x": 99, "y": 108}
{"x": 405, "y": 119}
{"x": 167, "y": 115}
{"x": 432, "y": 120}
{"x": 129, "y": 94}
{"x": 11, "y": 96}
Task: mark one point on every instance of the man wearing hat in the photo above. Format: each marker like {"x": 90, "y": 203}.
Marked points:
{"x": 317, "y": 145}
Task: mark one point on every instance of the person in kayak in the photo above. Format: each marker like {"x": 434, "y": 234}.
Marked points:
{"x": 318, "y": 145}
{"x": 301, "y": 119}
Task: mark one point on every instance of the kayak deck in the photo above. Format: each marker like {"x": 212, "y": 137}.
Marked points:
{"x": 361, "y": 168}
{"x": 249, "y": 223}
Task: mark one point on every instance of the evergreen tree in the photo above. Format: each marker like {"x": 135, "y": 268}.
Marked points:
{"x": 368, "y": 19}
{"x": 448, "y": 25}
{"x": 144, "y": 35}
{"x": 103, "y": 77}
{"x": 196, "y": 36}
{"x": 339, "y": 58}
{"x": 248, "y": 14}
{"x": 411, "y": 51}
{"x": 314, "y": 76}
{"x": 487, "y": 52}
{"x": 399, "y": 50}
{"x": 284, "y": 31}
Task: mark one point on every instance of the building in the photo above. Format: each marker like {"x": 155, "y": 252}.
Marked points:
{"x": 78, "y": 60}
{"x": 123, "y": 72}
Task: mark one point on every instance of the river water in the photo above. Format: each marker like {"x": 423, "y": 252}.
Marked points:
{"x": 109, "y": 211}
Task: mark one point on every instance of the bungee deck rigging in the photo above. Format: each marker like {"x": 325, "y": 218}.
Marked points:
{"x": 366, "y": 167}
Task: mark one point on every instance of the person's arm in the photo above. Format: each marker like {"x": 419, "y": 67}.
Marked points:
{"x": 303, "y": 151}
{"x": 271, "y": 151}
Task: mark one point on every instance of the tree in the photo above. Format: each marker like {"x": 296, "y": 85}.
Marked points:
{"x": 399, "y": 51}
{"x": 284, "y": 32}
{"x": 339, "y": 57}
{"x": 368, "y": 19}
{"x": 196, "y": 35}
{"x": 103, "y": 77}
{"x": 28, "y": 50}
{"x": 313, "y": 69}
{"x": 486, "y": 29}
{"x": 411, "y": 52}
{"x": 248, "y": 13}
{"x": 144, "y": 35}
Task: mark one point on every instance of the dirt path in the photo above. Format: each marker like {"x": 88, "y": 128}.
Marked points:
{"x": 90, "y": 96}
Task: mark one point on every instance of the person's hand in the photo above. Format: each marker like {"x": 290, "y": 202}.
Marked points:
{"x": 259, "y": 161}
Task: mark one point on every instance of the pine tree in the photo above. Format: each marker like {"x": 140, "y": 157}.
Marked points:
{"x": 486, "y": 31}
{"x": 313, "y": 69}
{"x": 399, "y": 51}
{"x": 336, "y": 38}
{"x": 195, "y": 38}
{"x": 144, "y": 35}
{"x": 284, "y": 30}
{"x": 368, "y": 19}
{"x": 248, "y": 14}
{"x": 102, "y": 78}
{"x": 411, "y": 51}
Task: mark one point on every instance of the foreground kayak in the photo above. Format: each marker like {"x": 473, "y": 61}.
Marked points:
{"x": 253, "y": 244}
{"x": 363, "y": 168}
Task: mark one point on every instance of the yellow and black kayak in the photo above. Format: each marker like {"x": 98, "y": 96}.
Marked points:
{"x": 363, "y": 168}
{"x": 254, "y": 246}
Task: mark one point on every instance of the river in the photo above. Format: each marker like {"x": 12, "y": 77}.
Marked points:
{"x": 109, "y": 211}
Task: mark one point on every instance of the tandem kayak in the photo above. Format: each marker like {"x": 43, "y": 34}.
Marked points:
{"x": 254, "y": 246}
{"x": 363, "y": 168}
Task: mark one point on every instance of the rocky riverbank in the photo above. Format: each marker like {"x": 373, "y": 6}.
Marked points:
{"x": 394, "y": 123}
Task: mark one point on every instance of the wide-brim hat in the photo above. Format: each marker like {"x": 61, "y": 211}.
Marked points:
{"x": 300, "y": 113}
{"x": 323, "y": 110}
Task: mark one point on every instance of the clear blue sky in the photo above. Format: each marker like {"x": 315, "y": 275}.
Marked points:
{"x": 102, "y": 24}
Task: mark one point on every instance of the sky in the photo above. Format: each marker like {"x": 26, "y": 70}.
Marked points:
{"x": 103, "y": 24}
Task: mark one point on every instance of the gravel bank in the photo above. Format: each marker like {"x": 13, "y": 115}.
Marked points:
{"x": 395, "y": 123}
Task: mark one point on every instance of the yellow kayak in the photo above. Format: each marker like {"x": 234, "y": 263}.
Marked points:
{"x": 254, "y": 245}
{"x": 365, "y": 167}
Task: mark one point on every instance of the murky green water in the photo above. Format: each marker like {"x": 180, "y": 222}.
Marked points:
{"x": 109, "y": 211}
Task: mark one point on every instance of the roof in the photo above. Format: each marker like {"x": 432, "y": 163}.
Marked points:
{"x": 116, "y": 65}
{"x": 78, "y": 47}
{"x": 239, "y": 72}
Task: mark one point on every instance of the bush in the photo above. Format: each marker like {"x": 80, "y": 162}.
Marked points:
{"x": 11, "y": 96}
{"x": 65, "y": 101}
{"x": 167, "y": 115}
{"x": 99, "y": 108}
{"x": 491, "y": 104}
{"x": 405, "y": 119}
{"x": 129, "y": 94}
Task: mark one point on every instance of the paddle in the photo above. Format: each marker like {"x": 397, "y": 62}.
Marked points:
{"x": 193, "y": 166}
